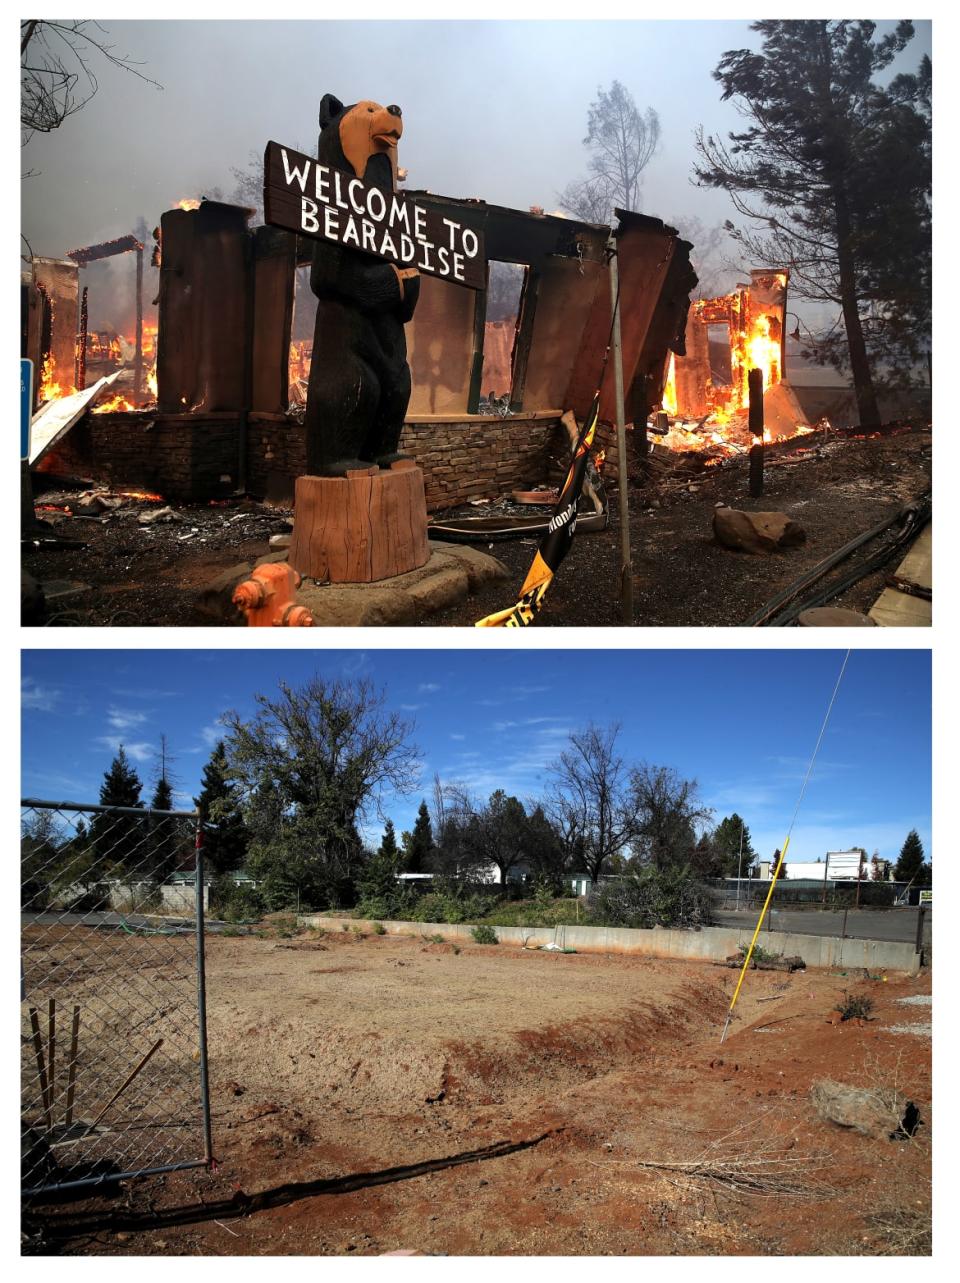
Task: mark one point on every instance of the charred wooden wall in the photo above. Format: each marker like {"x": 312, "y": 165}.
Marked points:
{"x": 56, "y": 279}
{"x": 226, "y": 307}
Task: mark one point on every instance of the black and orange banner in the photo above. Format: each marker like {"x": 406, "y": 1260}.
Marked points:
{"x": 555, "y": 544}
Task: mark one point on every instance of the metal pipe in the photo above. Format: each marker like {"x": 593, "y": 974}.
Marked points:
{"x": 38, "y": 805}
{"x": 626, "y": 563}
{"x": 110, "y": 1178}
{"x": 202, "y": 996}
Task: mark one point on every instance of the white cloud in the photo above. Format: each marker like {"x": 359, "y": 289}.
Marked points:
{"x": 410, "y": 708}
{"x": 142, "y": 752}
{"x": 428, "y": 688}
{"x": 42, "y": 699}
{"x": 125, "y": 719}
{"x": 454, "y": 735}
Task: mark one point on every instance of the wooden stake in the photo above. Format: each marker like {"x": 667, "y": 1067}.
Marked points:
{"x": 41, "y": 1066}
{"x": 755, "y": 412}
{"x": 52, "y": 1048}
{"x": 72, "y": 1066}
{"x": 126, "y": 1083}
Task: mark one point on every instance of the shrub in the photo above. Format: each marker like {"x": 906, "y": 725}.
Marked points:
{"x": 238, "y": 903}
{"x": 651, "y": 897}
{"x": 484, "y": 934}
{"x": 760, "y": 954}
{"x": 379, "y": 929}
{"x": 855, "y": 1006}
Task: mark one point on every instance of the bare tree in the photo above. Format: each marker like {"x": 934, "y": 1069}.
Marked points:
{"x": 57, "y": 75}
{"x": 668, "y": 814}
{"x": 621, "y": 141}
{"x": 590, "y": 800}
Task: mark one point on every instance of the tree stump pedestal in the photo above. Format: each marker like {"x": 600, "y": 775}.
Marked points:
{"x": 369, "y": 525}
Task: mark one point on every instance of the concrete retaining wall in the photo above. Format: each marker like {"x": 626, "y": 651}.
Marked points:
{"x": 712, "y": 944}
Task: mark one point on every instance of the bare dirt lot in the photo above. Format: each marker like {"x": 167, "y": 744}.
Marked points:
{"x": 335, "y": 1056}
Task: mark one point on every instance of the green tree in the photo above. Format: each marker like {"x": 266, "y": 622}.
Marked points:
{"x": 727, "y": 837}
{"x": 911, "y": 858}
{"x": 225, "y": 837}
{"x": 117, "y": 838}
{"x": 418, "y": 846}
{"x": 39, "y": 851}
{"x": 379, "y": 877}
{"x": 544, "y": 852}
{"x": 309, "y": 766}
{"x": 833, "y": 174}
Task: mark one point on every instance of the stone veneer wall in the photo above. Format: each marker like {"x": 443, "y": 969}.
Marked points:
{"x": 196, "y": 456}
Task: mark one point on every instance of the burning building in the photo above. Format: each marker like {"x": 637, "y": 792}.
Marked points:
{"x": 705, "y": 391}
{"x": 227, "y": 362}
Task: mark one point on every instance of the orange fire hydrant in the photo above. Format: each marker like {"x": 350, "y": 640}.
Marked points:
{"x": 266, "y": 598}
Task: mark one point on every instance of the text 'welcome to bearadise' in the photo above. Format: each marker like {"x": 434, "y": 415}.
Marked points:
{"x": 312, "y": 199}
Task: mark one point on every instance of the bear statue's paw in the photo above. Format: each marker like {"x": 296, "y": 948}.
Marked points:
{"x": 340, "y": 467}
{"x": 385, "y": 460}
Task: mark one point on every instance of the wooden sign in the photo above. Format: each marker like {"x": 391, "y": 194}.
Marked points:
{"x": 303, "y": 196}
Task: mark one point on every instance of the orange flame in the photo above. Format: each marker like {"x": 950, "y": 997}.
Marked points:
{"x": 669, "y": 398}
{"x": 50, "y": 387}
{"x": 115, "y": 404}
{"x": 187, "y": 203}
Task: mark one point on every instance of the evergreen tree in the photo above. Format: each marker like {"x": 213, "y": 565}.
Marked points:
{"x": 910, "y": 861}
{"x": 418, "y": 846}
{"x": 117, "y": 838}
{"x": 163, "y": 832}
{"x": 379, "y": 877}
{"x": 727, "y": 838}
{"x": 225, "y": 837}
{"x": 834, "y": 171}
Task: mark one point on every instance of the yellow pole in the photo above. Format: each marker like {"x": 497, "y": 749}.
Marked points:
{"x": 763, "y": 914}
{"x": 783, "y": 852}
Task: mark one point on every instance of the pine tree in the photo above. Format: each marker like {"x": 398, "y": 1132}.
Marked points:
{"x": 833, "y": 169}
{"x": 163, "y": 832}
{"x": 225, "y": 838}
{"x": 418, "y": 847}
{"x": 117, "y": 838}
{"x": 910, "y": 861}
{"x": 727, "y": 838}
{"x": 379, "y": 877}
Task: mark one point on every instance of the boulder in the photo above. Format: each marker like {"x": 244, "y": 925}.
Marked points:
{"x": 879, "y": 1111}
{"x": 756, "y": 532}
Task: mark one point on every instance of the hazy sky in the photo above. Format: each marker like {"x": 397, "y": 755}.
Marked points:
{"x": 743, "y": 723}
{"x": 494, "y": 109}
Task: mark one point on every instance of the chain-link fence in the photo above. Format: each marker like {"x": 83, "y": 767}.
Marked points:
{"x": 112, "y": 1014}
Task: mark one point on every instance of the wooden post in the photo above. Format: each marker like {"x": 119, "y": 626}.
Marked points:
{"x": 755, "y": 384}
{"x": 626, "y": 563}
{"x": 72, "y": 1066}
{"x": 138, "y": 356}
{"x": 921, "y": 914}
{"x": 81, "y": 379}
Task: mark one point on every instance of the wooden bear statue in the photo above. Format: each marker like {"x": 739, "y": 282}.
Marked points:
{"x": 359, "y": 378}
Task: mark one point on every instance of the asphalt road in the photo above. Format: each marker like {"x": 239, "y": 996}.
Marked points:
{"x": 861, "y": 924}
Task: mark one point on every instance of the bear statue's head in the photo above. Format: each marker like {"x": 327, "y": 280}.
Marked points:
{"x": 362, "y": 138}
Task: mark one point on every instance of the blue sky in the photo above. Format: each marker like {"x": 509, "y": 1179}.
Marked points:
{"x": 743, "y": 723}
